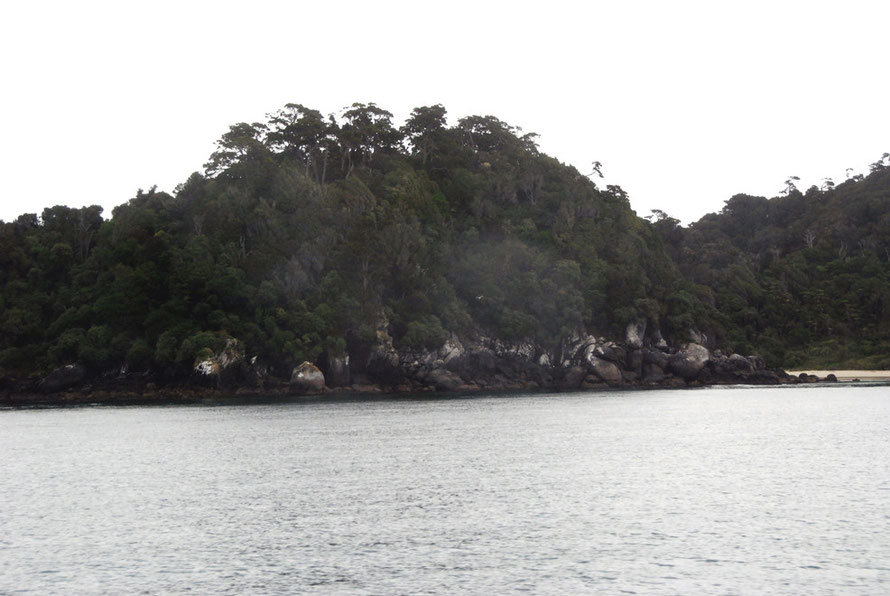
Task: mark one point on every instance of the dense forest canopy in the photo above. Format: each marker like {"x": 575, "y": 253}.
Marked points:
{"x": 802, "y": 278}
{"x": 308, "y": 235}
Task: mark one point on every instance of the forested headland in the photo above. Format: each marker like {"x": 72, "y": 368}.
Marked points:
{"x": 356, "y": 244}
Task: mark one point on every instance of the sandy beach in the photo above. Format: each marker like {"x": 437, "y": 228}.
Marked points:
{"x": 847, "y": 375}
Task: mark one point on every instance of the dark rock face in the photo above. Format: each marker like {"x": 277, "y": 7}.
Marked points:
{"x": 635, "y": 362}
{"x": 337, "y": 372}
{"x": 573, "y": 377}
{"x": 656, "y": 357}
{"x": 653, "y": 374}
{"x": 63, "y": 378}
{"x": 443, "y": 380}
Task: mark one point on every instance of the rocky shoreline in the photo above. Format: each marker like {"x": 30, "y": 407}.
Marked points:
{"x": 583, "y": 362}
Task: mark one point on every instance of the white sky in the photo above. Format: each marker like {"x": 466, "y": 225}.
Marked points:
{"x": 685, "y": 103}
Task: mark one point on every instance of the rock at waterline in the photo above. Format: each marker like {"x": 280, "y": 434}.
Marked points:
{"x": 689, "y": 361}
{"x": 63, "y": 378}
{"x": 605, "y": 370}
{"x": 307, "y": 378}
{"x": 443, "y": 380}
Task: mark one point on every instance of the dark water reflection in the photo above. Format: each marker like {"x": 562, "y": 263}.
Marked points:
{"x": 718, "y": 491}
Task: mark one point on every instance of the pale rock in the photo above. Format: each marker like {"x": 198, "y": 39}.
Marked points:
{"x": 635, "y": 333}
{"x": 307, "y": 378}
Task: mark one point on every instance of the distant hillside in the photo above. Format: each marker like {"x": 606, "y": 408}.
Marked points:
{"x": 307, "y": 236}
{"x": 802, "y": 279}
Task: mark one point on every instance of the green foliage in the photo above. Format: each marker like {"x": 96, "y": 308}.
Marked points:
{"x": 304, "y": 230}
{"x": 425, "y": 333}
{"x": 802, "y": 279}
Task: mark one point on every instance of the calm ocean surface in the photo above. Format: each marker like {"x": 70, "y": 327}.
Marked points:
{"x": 710, "y": 491}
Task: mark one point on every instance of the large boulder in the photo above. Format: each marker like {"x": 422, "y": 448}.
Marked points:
{"x": 605, "y": 370}
{"x": 63, "y": 378}
{"x": 653, "y": 374}
{"x": 635, "y": 361}
{"x": 735, "y": 364}
{"x": 573, "y": 377}
{"x": 689, "y": 361}
{"x": 443, "y": 380}
{"x": 611, "y": 352}
{"x": 306, "y": 378}
{"x": 656, "y": 357}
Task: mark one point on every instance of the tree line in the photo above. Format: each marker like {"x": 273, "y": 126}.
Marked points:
{"x": 305, "y": 231}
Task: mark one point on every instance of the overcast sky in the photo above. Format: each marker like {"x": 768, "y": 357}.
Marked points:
{"x": 684, "y": 103}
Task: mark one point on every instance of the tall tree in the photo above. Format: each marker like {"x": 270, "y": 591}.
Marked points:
{"x": 424, "y": 129}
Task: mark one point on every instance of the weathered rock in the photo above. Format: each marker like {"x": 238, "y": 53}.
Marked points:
{"x": 697, "y": 337}
{"x": 591, "y": 381}
{"x": 635, "y": 333}
{"x": 443, "y": 380}
{"x": 765, "y": 377}
{"x": 653, "y": 374}
{"x": 673, "y": 382}
{"x": 206, "y": 372}
{"x": 574, "y": 347}
{"x": 656, "y": 357}
{"x": 757, "y": 362}
{"x": 63, "y": 378}
{"x": 306, "y": 378}
{"x": 383, "y": 364}
{"x": 689, "y": 361}
{"x": 337, "y": 374}
{"x": 611, "y": 352}
{"x": 233, "y": 353}
{"x": 225, "y": 369}
{"x": 739, "y": 364}
{"x": 573, "y": 377}
{"x": 657, "y": 340}
{"x": 451, "y": 350}
{"x": 635, "y": 362}
{"x": 605, "y": 370}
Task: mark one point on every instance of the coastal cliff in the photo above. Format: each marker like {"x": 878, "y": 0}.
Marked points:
{"x": 478, "y": 364}
{"x": 321, "y": 254}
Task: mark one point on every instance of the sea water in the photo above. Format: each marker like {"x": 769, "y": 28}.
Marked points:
{"x": 717, "y": 491}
